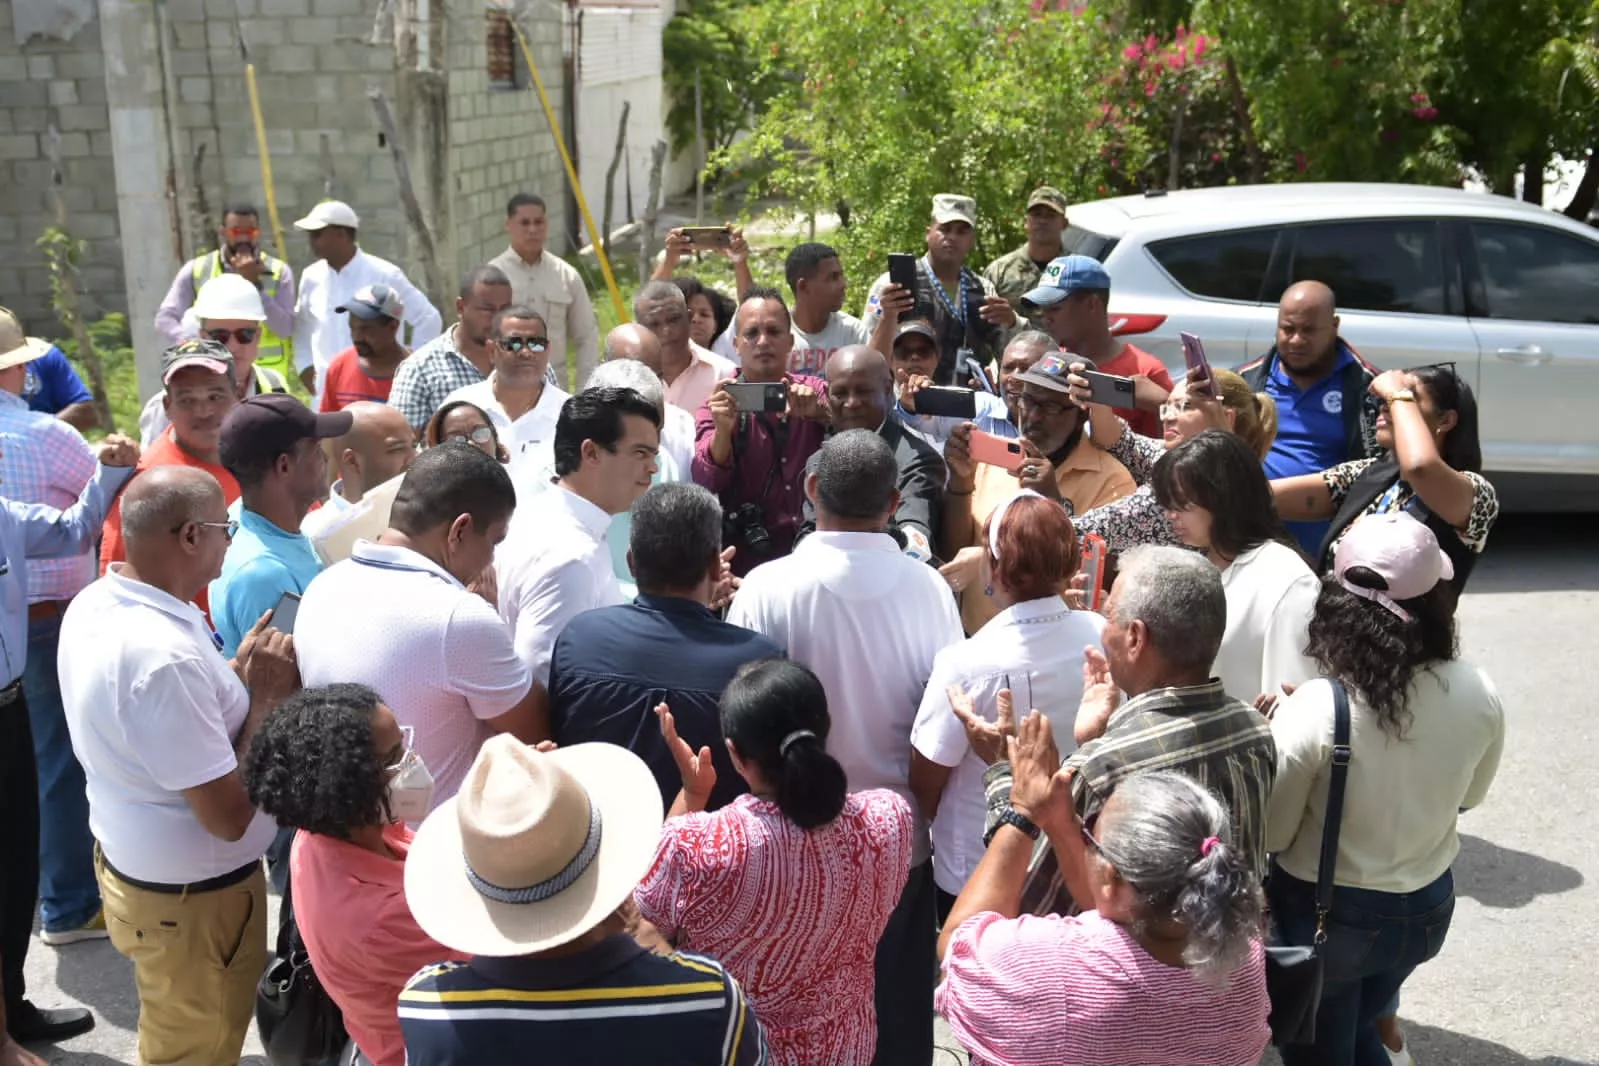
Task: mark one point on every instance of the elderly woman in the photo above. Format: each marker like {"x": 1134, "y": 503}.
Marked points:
{"x": 1167, "y": 968}
{"x": 1035, "y": 647}
{"x": 791, "y": 885}
{"x": 1426, "y": 731}
{"x": 334, "y": 764}
{"x": 464, "y": 420}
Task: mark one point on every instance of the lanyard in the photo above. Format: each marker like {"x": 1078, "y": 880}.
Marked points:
{"x": 943, "y": 297}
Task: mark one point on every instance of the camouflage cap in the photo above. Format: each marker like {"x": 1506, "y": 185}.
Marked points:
{"x": 949, "y": 207}
{"x": 1049, "y": 196}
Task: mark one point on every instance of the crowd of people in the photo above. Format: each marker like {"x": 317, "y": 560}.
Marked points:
{"x": 728, "y": 708}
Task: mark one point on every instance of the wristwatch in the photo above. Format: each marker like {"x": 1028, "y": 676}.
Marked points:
{"x": 1012, "y": 817}
{"x": 1403, "y": 395}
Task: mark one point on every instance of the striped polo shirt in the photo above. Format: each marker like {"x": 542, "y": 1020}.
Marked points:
{"x": 611, "y": 1003}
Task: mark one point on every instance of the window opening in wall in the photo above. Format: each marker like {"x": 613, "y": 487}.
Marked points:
{"x": 506, "y": 68}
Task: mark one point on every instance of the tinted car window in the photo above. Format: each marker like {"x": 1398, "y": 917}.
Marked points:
{"x": 1080, "y": 241}
{"x": 1224, "y": 266}
{"x": 1537, "y": 274}
{"x": 1391, "y": 264}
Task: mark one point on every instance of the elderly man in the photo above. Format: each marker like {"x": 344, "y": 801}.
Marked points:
{"x": 342, "y": 268}
{"x": 548, "y": 284}
{"x": 1057, "y": 460}
{"x": 160, "y": 720}
{"x": 848, "y": 588}
{"x": 1326, "y": 413}
{"x": 1163, "y": 626}
{"x": 690, "y": 372}
{"x": 43, "y": 460}
{"x": 613, "y": 665}
{"x": 231, "y": 314}
{"x": 30, "y": 532}
{"x": 457, "y": 357}
{"x": 517, "y": 395}
{"x": 970, "y": 319}
{"x": 754, "y": 460}
{"x": 632, "y": 341}
{"x": 860, "y": 392}
{"x": 1016, "y": 273}
{"x": 238, "y": 253}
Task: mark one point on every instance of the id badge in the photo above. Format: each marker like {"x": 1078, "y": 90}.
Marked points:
{"x": 964, "y": 355}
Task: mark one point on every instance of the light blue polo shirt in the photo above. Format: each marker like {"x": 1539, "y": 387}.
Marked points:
{"x": 1310, "y": 433}
{"x": 262, "y": 563}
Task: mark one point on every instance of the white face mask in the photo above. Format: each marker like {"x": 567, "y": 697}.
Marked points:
{"x": 410, "y": 790}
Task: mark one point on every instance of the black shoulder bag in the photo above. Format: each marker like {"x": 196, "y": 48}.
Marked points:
{"x": 300, "y": 1025}
{"x": 1294, "y": 972}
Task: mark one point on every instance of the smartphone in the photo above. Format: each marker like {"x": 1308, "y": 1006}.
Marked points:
{"x": 709, "y": 236}
{"x": 947, "y": 400}
{"x": 284, "y": 613}
{"x": 1199, "y": 376}
{"x": 902, "y": 270}
{"x": 760, "y": 397}
{"x": 1092, "y": 567}
{"x": 995, "y": 451}
{"x": 1112, "y": 390}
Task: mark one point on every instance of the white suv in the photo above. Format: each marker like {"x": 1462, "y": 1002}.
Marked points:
{"x": 1506, "y": 290}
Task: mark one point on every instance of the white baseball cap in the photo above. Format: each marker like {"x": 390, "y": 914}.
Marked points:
{"x": 329, "y": 213}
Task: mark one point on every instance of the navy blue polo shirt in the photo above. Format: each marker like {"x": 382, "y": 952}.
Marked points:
{"x": 612, "y": 665}
{"x": 1311, "y": 434}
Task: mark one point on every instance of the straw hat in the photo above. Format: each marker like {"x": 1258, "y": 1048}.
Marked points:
{"x": 536, "y": 849}
{"x": 16, "y": 347}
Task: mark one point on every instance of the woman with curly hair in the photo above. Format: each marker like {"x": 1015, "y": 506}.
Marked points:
{"x": 334, "y": 764}
{"x": 1426, "y": 731}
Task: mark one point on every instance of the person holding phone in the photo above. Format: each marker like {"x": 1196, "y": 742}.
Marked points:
{"x": 754, "y": 459}
{"x": 915, "y": 362}
{"x": 1054, "y": 458}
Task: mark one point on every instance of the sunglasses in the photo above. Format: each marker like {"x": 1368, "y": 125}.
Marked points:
{"x": 478, "y": 435}
{"x": 532, "y": 344}
{"x": 242, "y": 234}
{"x": 229, "y": 528}
{"x": 243, "y": 335}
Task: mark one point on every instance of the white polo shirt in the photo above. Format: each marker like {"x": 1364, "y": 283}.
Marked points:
{"x": 1271, "y": 594}
{"x": 554, "y": 564}
{"x": 153, "y": 709}
{"x": 524, "y": 436}
{"x": 869, "y": 621}
{"x": 1036, "y": 648}
{"x": 438, "y": 655}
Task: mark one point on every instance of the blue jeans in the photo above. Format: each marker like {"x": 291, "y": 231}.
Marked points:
{"x": 1374, "y": 941}
{"x": 68, "y": 893}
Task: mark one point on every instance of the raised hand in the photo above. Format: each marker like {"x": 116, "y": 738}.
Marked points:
{"x": 696, "y": 769}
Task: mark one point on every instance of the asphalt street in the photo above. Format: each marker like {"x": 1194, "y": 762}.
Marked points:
{"x": 1515, "y": 985}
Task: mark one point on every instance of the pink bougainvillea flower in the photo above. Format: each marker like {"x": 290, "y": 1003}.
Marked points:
{"x": 1426, "y": 114}
{"x": 1132, "y": 51}
{"x": 1200, "y": 44}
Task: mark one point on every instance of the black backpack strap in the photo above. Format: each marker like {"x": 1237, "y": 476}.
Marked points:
{"x": 1333, "y": 821}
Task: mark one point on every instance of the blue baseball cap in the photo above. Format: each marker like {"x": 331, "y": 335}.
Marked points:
{"x": 1063, "y": 277}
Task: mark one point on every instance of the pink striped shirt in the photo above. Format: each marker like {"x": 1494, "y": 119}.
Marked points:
{"x": 1057, "y": 991}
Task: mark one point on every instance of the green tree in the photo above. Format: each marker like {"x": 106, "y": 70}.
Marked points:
{"x": 704, "y": 42}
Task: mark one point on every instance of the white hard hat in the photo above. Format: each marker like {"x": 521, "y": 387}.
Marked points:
{"x": 229, "y": 296}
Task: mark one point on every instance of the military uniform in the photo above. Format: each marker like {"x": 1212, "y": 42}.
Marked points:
{"x": 1016, "y": 273}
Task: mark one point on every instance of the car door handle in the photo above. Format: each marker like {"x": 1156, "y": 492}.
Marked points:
{"x": 1530, "y": 354}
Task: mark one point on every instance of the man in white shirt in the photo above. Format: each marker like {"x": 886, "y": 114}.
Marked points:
{"x": 320, "y": 332}
{"x": 869, "y": 621}
{"x": 556, "y": 562}
{"x": 690, "y": 372}
{"x": 548, "y": 284}
{"x": 159, "y": 720}
{"x": 400, "y": 616}
{"x": 632, "y": 341}
{"x": 517, "y": 395}
{"x": 378, "y": 446}
{"x": 817, "y": 319}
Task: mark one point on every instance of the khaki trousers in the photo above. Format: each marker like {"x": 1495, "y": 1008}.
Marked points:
{"x": 197, "y": 957}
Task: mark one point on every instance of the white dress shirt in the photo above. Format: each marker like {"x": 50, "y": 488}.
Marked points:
{"x": 1036, "y": 649}
{"x": 556, "y": 290}
{"x": 1271, "y": 594}
{"x": 525, "y": 436}
{"x": 869, "y": 621}
{"x": 320, "y": 333}
{"x": 677, "y": 439}
{"x": 554, "y": 564}
{"x": 153, "y": 709}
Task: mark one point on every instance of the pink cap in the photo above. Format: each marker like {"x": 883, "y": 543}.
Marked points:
{"x": 1398, "y": 548}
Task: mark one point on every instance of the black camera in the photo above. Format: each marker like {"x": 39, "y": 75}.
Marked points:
{"x": 743, "y": 528}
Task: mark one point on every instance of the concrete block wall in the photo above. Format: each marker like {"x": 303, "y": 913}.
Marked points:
{"x": 62, "y": 83}
{"x": 500, "y": 141}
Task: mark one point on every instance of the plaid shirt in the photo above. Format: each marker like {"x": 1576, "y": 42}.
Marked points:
{"x": 1199, "y": 730}
{"x": 44, "y": 460}
{"x": 428, "y": 375}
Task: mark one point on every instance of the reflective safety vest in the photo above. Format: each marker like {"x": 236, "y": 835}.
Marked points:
{"x": 276, "y": 353}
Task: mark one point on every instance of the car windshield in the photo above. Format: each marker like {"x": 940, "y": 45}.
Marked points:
{"x": 1080, "y": 241}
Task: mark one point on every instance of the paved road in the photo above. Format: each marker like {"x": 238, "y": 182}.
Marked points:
{"x": 1515, "y": 986}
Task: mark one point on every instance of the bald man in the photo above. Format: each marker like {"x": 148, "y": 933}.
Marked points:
{"x": 159, "y": 720}
{"x": 860, "y": 395}
{"x": 1325, "y": 416}
{"x": 632, "y": 341}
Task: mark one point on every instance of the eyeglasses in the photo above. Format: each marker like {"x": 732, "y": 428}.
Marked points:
{"x": 1087, "y": 829}
{"x": 478, "y": 435}
{"x": 532, "y": 344}
{"x": 244, "y": 335}
{"x": 1047, "y": 408}
{"x": 1170, "y": 410}
{"x": 240, "y": 233}
{"x": 229, "y": 528}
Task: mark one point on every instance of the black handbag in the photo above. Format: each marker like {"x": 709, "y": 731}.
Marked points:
{"x": 1294, "y": 972}
{"x": 300, "y": 1025}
